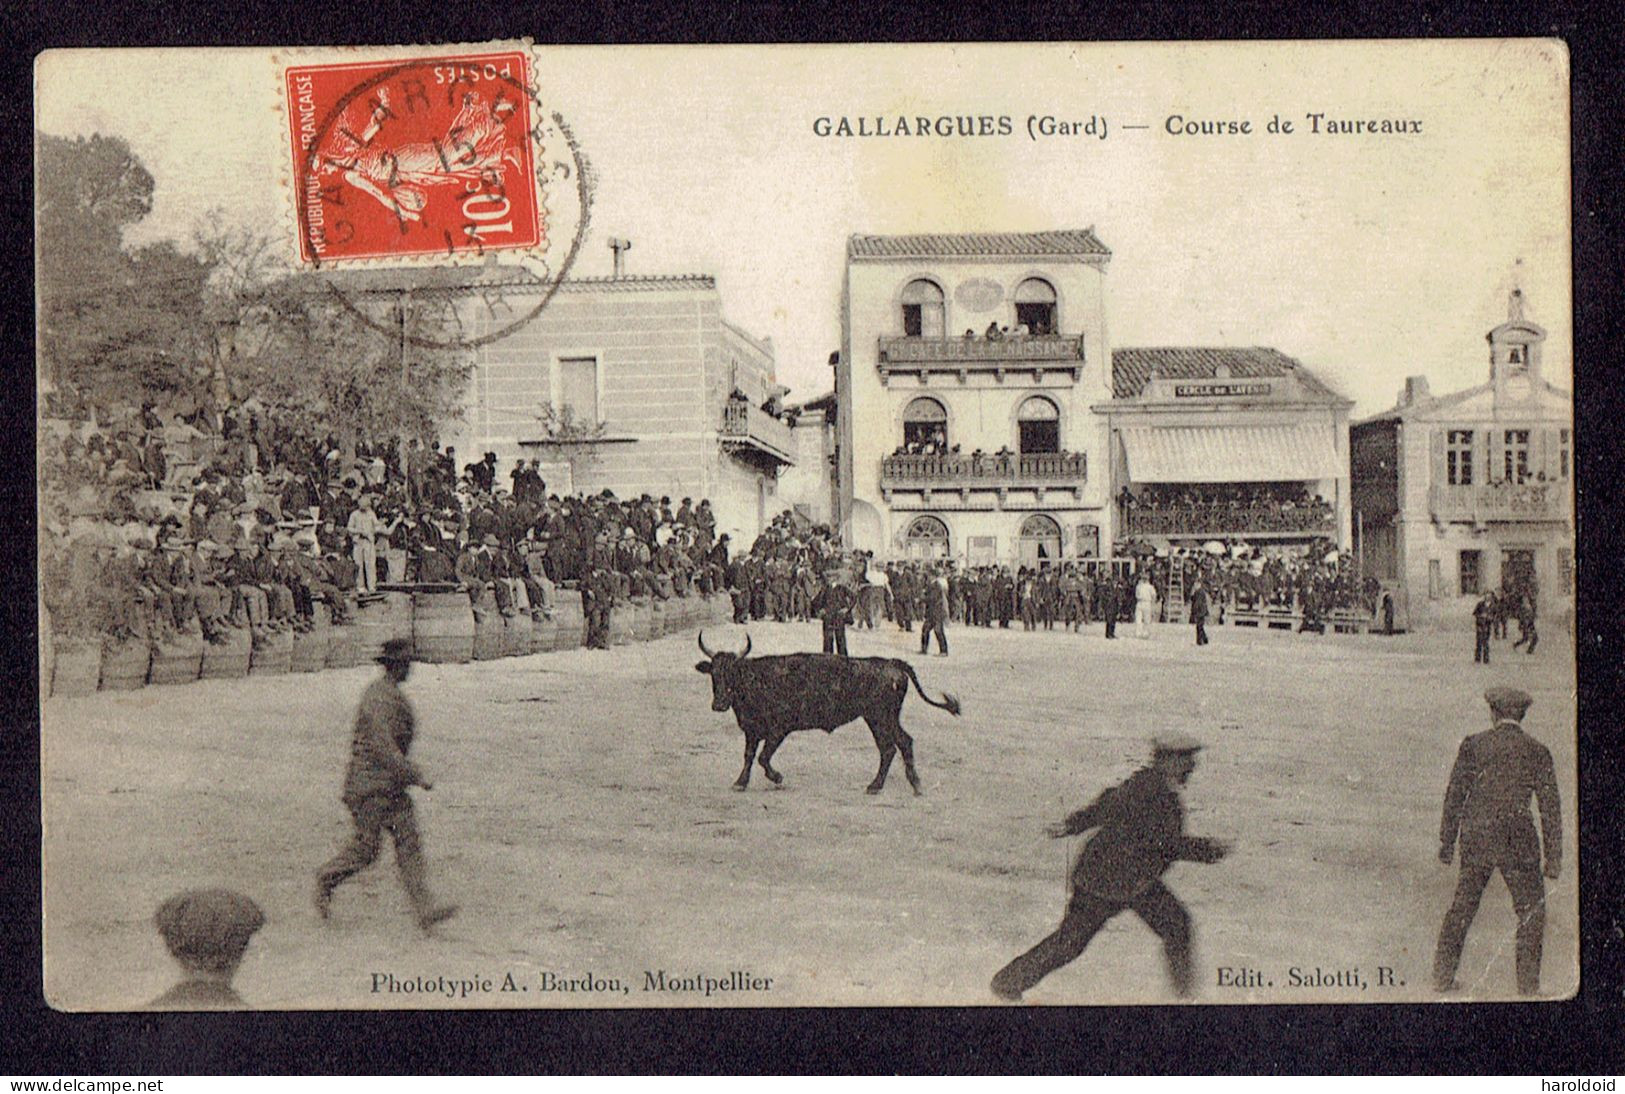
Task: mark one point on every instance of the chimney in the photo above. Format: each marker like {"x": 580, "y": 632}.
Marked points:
{"x": 1416, "y": 390}
{"x": 620, "y": 247}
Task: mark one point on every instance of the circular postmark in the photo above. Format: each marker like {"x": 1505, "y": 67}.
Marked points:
{"x": 450, "y": 164}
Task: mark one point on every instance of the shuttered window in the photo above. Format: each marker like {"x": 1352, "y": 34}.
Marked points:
{"x": 578, "y": 387}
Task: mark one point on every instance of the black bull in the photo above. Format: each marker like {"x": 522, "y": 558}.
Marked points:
{"x": 772, "y": 697}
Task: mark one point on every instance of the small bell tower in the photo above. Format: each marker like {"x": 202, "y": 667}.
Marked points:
{"x": 1515, "y": 351}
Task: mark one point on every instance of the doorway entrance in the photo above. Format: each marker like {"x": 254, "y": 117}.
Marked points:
{"x": 1040, "y": 541}
{"x": 1518, "y": 570}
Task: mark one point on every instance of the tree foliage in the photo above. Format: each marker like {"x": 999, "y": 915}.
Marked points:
{"x": 330, "y": 366}
{"x": 119, "y": 325}
{"x": 224, "y": 320}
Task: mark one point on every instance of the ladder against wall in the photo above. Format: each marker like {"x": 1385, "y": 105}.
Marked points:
{"x": 1175, "y": 607}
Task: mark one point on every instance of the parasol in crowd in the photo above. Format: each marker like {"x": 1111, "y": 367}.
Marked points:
{"x": 1213, "y": 547}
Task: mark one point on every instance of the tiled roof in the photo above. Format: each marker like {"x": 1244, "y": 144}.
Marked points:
{"x": 1067, "y": 242}
{"x": 1132, "y": 368}
{"x": 474, "y": 278}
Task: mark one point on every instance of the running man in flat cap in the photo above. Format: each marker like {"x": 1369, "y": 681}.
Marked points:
{"x": 207, "y": 932}
{"x": 1486, "y": 807}
{"x": 375, "y": 791}
{"x": 1141, "y": 833}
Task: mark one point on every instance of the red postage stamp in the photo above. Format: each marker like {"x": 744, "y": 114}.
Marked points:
{"x": 401, "y": 158}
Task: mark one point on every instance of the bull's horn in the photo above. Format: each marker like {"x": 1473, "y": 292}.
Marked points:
{"x": 703, "y": 647}
{"x": 744, "y": 653}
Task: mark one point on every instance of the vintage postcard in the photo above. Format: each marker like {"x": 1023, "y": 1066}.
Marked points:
{"x": 531, "y": 527}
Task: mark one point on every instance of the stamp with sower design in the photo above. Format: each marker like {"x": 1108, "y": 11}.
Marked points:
{"x": 426, "y": 157}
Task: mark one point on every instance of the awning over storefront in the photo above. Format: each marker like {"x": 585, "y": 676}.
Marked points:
{"x": 1229, "y": 453}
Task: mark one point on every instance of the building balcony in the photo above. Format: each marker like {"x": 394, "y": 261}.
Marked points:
{"x": 959, "y": 358}
{"x": 747, "y": 428}
{"x": 1500, "y": 502}
{"x": 1223, "y": 522}
{"x": 998, "y": 475}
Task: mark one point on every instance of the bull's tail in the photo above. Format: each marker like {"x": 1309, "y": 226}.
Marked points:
{"x": 950, "y": 702}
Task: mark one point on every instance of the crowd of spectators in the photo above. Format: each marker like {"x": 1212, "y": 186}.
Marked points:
{"x": 1190, "y": 509}
{"x": 159, "y": 523}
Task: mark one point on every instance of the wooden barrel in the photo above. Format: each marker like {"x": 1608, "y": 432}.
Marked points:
{"x": 386, "y": 616}
{"x": 543, "y": 634}
{"x": 516, "y": 631}
{"x": 620, "y": 624}
{"x": 443, "y": 627}
{"x": 571, "y": 632}
{"x": 76, "y": 668}
{"x": 125, "y": 664}
{"x": 343, "y": 647}
{"x": 490, "y": 632}
{"x": 46, "y": 649}
{"x": 399, "y": 615}
{"x": 178, "y": 660}
{"x": 227, "y": 660}
{"x": 272, "y": 654}
{"x": 310, "y": 647}
{"x": 642, "y": 619}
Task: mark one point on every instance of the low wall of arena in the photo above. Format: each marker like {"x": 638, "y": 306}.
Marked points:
{"x": 443, "y": 627}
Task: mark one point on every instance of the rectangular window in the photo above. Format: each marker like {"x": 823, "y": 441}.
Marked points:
{"x": 1088, "y": 541}
{"x": 1564, "y": 448}
{"x": 913, "y": 320}
{"x": 1039, "y": 319}
{"x": 1434, "y": 581}
{"x": 1467, "y": 571}
{"x": 1515, "y": 455}
{"x": 1458, "y": 456}
{"x": 578, "y": 388}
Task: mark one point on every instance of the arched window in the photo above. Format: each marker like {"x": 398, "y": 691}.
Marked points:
{"x": 927, "y": 537}
{"x": 1035, "y": 306}
{"x": 1040, "y": 540}
{"x": 925, "y": 427}
{"x": 923, "y": 312}
{"x": 1038, "y": 423}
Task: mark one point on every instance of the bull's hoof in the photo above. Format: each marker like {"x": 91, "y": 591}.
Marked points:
{"x": 918, "y": 793}
{"x": 739, "y": 786}
{"x": 871, "y": 789}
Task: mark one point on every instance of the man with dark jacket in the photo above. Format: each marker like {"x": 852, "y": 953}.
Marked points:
{"x": 1110, "y": 602}
{"x": 934, "y": 602}
{"x": 833, "y": 606}
{"x": 375, "y": 788}
{"x": 1486, "y": 808}
{"x": 902, "y": 597}
{"x": 1199, "y": 611}
{"x": 1483, "y": 623}
{"x": 1141, "y": 833}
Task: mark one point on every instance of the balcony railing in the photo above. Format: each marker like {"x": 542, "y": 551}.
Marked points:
{"x": 1217, "y": 521}
{"x": 1503, "y": 501}
{"x": 1029, "y": 469}
{"x": 961, "y": 356}
{"x": 745, "y": 424}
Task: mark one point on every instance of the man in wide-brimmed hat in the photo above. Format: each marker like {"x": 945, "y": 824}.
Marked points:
{"x": 375, "y": 788}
